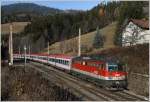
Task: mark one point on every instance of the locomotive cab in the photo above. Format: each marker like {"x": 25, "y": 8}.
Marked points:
{"x": 117, "y": 75}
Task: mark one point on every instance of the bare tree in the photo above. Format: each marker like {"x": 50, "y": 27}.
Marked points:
{"x": 134, "y": 35}
{"x": 62, "y": 46}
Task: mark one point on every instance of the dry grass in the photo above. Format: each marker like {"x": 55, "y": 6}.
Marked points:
{"x": 17, "y": 27}
{"x": 87, "y": 40}
{"x": 19, "y": 84}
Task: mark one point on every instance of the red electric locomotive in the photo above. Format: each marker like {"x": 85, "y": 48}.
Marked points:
{"x": 109, "y": 74}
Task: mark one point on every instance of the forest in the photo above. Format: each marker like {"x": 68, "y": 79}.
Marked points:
{"x": 61, "y": 25}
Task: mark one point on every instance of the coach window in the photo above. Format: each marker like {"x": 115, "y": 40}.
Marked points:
{"x": 63, "y": 62}
{"x": 67, "y": 62}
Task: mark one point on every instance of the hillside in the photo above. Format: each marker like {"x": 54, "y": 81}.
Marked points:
{"x": 28, "y": 8}
{"x": 86, "y": 41}
{"x": 25, "y": 11}
{"x": 17, "y": 27}
{"x": 28, "y": 11}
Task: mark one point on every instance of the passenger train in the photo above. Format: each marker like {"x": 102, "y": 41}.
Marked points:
{"x": 109, "y": 74}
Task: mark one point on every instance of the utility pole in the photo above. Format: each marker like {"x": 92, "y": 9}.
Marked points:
{"x": 48, "y": 48}
{"x": 79, "y": 49}
{"x": 25, "y": 55}
{"x": 10, "y": 45}
{"x": 29, "y": 50}
{"x": 19, "y": 50}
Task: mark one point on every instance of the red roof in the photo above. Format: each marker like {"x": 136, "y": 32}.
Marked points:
{"x": 141, "y": 23}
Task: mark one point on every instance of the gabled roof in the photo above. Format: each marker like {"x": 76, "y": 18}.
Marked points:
{"x": 141, "y": 23}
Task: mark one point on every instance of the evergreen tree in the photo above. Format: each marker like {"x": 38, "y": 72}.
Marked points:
{"x": 98, "y": 39}
{"x": 127, "y": 10}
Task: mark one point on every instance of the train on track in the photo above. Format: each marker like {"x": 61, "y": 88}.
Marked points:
{"x": 109, "y": 74}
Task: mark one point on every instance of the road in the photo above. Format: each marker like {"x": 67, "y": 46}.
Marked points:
{"x": 83, "y": 89}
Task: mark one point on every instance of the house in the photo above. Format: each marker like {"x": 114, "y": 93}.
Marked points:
{"x": 136, "y": 32}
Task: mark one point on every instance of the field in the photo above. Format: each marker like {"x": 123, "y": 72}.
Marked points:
{"x": 17, "y": 27}
{"x": 86, "y": 41}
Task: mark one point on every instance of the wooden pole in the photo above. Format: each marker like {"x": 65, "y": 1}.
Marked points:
{"x": 19, "y": 50}
{"x": 25, "y": 54}
{"x": 48, "y": 48}
{"x": 11, "y": 44}
{"x": 79, "y": 49}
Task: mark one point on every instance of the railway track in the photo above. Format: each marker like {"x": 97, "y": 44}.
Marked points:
{"x": 83, "y": 89}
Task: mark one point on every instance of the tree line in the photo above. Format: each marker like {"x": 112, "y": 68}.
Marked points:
{"x": 65, "y": 25}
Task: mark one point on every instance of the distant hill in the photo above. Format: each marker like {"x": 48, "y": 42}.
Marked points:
{"x": 25, "y": 11}
{"x": 28, "y": 8}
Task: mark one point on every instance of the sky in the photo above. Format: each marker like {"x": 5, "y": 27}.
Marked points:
{"x": 60, "y": 4}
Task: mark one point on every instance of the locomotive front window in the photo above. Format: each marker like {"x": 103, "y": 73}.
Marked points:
{"x": 121, "y": 67}
{"x": 112, "y": 68}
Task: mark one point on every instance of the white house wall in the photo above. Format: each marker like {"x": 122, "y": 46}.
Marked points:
{"x": 143, "y": 35}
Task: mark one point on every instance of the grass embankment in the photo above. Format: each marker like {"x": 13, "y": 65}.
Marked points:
{"x": 17, "y": 27}
{"x": 86, "y": 40}
{"x": 29, "y": 85}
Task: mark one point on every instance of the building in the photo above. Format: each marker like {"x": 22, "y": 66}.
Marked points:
{"x": 136, "y": 32}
